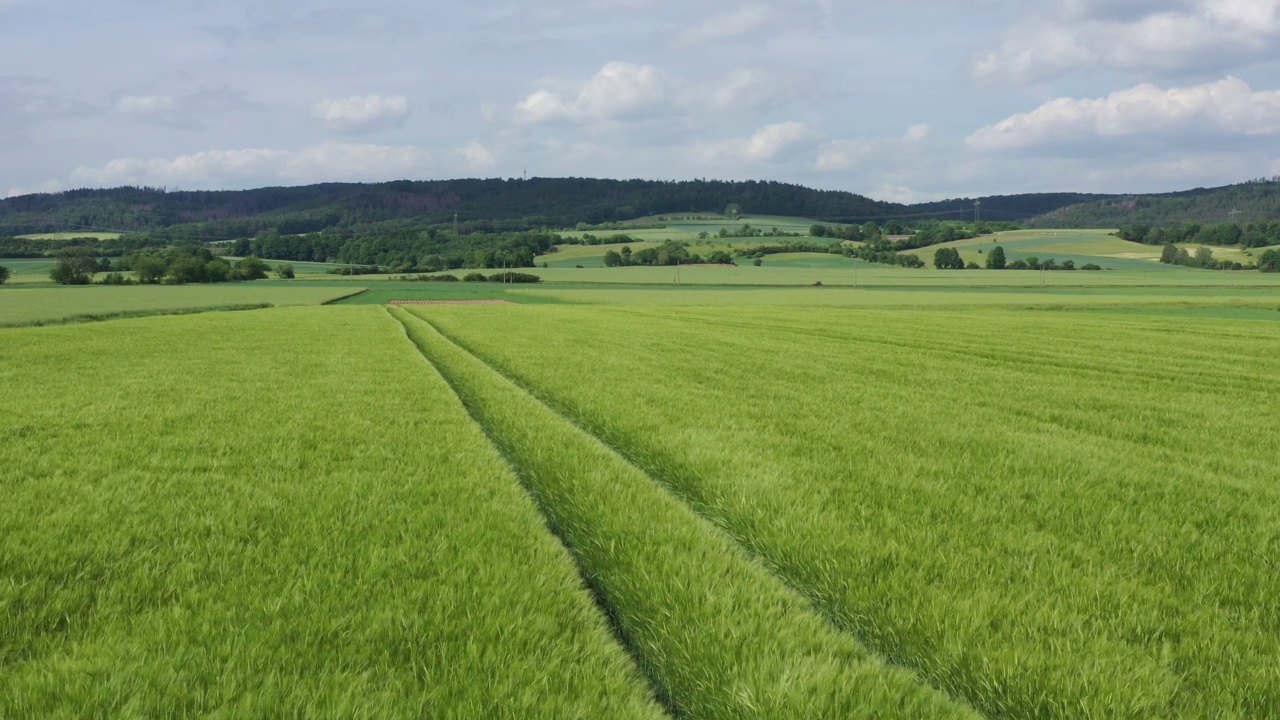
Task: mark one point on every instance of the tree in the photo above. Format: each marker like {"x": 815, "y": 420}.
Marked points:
{"x": 894, "y": 227}
{"x": 284, "y": 271}
{"x": 149, "y": 268}
{"x": 251, "y": 268}
{"x": 4, "y": 274}
{"x": 818, "y": 231}
{"x": 612, "y": 258}
{"x": 758, "y": 262}
{"x": 1270, "y": 261}
{"x": 996, "y": 259}
{"x": 76, "y": 267}
{"x": 948, "y": 259}
{"x": 1204, "y": 258}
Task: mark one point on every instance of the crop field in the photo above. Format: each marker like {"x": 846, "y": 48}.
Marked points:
{"x": 842, "y": 272}
{"x": 1265, "y": 301}
{"x": 1081, "y": 246}
{"x": 44, "y": 305}
{"x": 1037, "y": 527}
{"x": 218, "y": 522}
{"x": 25, "y": 271}
{"x": 927, "y": 495}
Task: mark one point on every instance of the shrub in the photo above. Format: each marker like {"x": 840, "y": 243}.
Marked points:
{"x": 116, "y": 278}
{"x": 972, "y": 266}
{"x": 284, "y": 271}
{"x": 514, "y": 277}
{"x": 1090, "y": 266}
{"x": 1270, "y": 261}
{"x": 473, "y": 277}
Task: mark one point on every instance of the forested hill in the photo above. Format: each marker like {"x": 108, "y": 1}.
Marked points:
{"x": 518, "y": 205}
{"x": 478, "y": 204}
{"x": 1248, "y": 202}
{"x": 1011, "y": 208}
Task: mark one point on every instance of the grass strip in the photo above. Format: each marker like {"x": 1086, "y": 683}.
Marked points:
{"x": 716, "y": 631}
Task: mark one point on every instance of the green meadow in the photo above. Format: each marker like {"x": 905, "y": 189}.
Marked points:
{"x": 647, "y": 492}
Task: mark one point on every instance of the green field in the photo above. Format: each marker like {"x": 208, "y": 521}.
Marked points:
{"x": 1028, "y": 523}
{"x": 53, "y": 304}
{"x": 715, "y": 494}
{"x": 212, "y": 519}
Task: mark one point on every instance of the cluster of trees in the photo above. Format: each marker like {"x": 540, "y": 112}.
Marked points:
{"x": 1257, "y": 234}
{"x": 857, "y": 233}
{"x": 936, "y": 233}
{"x": 1203, "y": 258}
{"x": 949, "y": 259}
{"x": 503, "y": 277}
{"x": 403, "y": 247}
{"x": 878, "y": 254}
{"x": 671, "y": 252}
{"x": 4, "y": 275}
{"x": 171, "y": 266}
{"x": 589, "y": 239}
{"x": 747, "y": 231}
{"x": 26, "y": 248}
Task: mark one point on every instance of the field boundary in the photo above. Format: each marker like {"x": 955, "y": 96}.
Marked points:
{"x": 348, "y": 296}
{"x": 659, "y": 479}
{"x": 131, "y": 314}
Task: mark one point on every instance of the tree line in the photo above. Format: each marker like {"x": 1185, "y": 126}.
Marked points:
{"x": 1250, "y": 235}
{"x": 172, "y": 266}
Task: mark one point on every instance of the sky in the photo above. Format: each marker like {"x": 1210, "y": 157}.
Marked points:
{"x": 907, "y": 101}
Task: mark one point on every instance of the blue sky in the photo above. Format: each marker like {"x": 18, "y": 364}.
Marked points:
{"x": 907, "y": 101}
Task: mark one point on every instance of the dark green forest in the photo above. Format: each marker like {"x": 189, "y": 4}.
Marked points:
{"x": 1249, "y": 202}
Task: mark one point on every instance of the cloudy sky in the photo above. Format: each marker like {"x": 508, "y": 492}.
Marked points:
{"x": 911, "y": 100}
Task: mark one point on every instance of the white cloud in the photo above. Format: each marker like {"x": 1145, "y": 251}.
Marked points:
{"x": 620, "y": 90}
{"x": 226, "y": 168}
{"x": 849, "y": 155}
{"x": 145, "y": 105}
{"x": 768, "y": 143}
{"x": 1227, "y": 106}
{"x": 728, "y": 25}
{"x": 741, "y": 90}
{"x": 362, "y": 114}
{"x": 477, "y": 157}
{"x": 1135, "y": 36}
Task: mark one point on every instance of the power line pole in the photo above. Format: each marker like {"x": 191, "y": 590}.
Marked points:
{"x": 977, "y": 211}
{"x": 1233, "y": 214}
